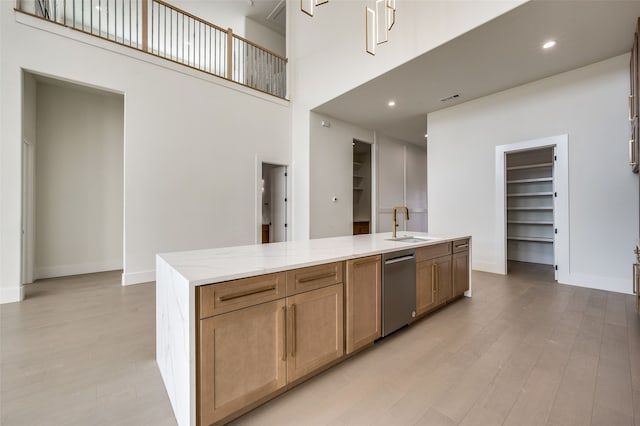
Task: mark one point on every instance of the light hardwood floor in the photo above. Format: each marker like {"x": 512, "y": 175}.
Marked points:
{"x": 80, "y": 351}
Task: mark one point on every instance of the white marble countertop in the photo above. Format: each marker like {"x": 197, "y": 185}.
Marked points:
{"x": 209, "y": 266}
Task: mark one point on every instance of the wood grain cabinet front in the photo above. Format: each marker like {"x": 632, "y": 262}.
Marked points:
{"x": 242, "y": 359}
{"x": 434, "y": 280}
{"x": 460, "y": 268}
{"x": 433, "y": 283}
{"x": 363, "y": 304}
{"x": 316, "y": 336}
{"x": 313, "y": 277}
{"x": 229, "y": 296}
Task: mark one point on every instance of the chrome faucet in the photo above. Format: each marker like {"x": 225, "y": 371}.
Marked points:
{"x": 395, "y": 218}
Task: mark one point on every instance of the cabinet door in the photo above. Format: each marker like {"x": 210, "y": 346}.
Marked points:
{"x": 242, "y": 358}
{"x": 363, "y": 302}
{"x": 460, "y": 273}
{"x": 426, "y": 279}
{"x": 315, "y": 330}
{"x": 445, "y": 283}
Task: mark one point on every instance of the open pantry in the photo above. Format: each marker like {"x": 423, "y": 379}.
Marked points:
{"x": 530, "y": 206}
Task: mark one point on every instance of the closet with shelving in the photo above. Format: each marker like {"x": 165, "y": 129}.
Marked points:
{"x": 361, "y": 188}
{"x": 530, "y": 206}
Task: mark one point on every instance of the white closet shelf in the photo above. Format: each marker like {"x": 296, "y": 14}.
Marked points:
{"x": 357, "y": 164}
{"x": 531, "y": 239}
{"x": 531, "y": 180}
{"x": 532, "y": 194}
{"x": 530, "y": 166}
{"x": 531, "y": 208}
{"x": 530, "y": 222}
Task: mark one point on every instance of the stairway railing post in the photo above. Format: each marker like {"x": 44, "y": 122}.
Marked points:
{"x": 145, "y": 25}
{"x": 229, "y": 53}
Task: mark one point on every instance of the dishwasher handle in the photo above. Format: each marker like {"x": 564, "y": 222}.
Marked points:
{"x": 400, "y": 259}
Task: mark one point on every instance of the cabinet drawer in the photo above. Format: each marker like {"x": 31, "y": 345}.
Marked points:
{"x": 305, "y": 279}
{"x": 461, "y": 245}
{"x": 228, "y": 296}
{"x": 431, "y": 252}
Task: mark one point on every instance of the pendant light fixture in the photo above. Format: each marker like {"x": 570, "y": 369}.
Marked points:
{"x": 379, "y": 20}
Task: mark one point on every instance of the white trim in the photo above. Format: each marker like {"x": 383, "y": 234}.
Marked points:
{"x": 27, "y": 240}
{"x": 138, "y": 277}
{"x": 490, "y": 267}
{"x": 78, "y": 269}
{"x": 11, "y": 294}
{"x": 561, "y": 210}
{"x": 259, "y": 160}
{"x": 617, "y": 285}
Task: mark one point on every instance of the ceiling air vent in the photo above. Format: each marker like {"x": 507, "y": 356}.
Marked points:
{"x": 450, "y": 97}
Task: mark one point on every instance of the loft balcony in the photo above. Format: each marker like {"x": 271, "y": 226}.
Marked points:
{"x": 163, "y": 30}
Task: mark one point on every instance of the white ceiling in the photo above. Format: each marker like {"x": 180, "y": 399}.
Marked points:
{"x": 270, "y": 13}
{"x": 501, "y": 54}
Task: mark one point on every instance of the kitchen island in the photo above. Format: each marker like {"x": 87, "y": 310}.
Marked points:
{"x": 266, "y": 295}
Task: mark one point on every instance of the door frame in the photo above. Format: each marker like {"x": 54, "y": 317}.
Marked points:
{"x": 259, "y": 160}
{"x": 561, "y": 202}
{"x": 27, "y": 240}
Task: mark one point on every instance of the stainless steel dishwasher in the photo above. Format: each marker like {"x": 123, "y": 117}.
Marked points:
{"x": 398, "y": 290}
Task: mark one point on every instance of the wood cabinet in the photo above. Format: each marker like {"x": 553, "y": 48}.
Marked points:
{"x": 360, "y": 228}
{"x": 242, "y": 358}
{"x": 256, "y": 335}
{"x": 433, "y": 277}
{"x": 305, "y": 279}
{"x": 460, "y": 267}
{"x": 363, "y": 302}
{"x": 232, "y": 295}
{"x": 425, "y": 286}
{"x": 315, "y": 330}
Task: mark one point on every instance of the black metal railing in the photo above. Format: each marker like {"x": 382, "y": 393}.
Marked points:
{"x": 164, "y": 30}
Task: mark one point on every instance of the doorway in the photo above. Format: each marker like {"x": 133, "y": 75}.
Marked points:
{"x": 72, "y": 179}
{"x": 361, "y": 187}
{"x": 274, "y": 202}
{"x": 532, "y": 195}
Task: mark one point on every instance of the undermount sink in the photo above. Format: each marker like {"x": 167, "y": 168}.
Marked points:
{"x": 411, "y": 239}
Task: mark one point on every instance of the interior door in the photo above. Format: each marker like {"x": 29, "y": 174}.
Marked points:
{"x": 278, "y": 204}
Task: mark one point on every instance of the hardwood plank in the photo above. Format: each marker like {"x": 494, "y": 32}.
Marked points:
{"x": 573, "y": 402}
{"x": 84, "y": 348}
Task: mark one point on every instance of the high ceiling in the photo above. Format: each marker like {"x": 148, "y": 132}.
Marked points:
{"x": 270, "y": 13}
{"x": 499, "y": 55}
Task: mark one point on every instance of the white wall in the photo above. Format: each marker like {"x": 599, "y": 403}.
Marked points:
{"x": 265, "y": 37}
{"x": 589, "y": 104}
{"x": 327, "y": 58}
{"x": 79, "y": 181}
{"x": 190, "y": 157}
{"x": 401, "y": 181}
{"x": 231, "y": 14}
{"x": 331, "y": 171}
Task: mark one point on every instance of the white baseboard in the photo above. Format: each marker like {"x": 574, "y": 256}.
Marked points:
{"x": 617, "y": 285}
{"x": 78, "y": 269}
{"x": 131, "y": 278}
{"x": 11, "y": 294}
{"x": 490, "y": 267}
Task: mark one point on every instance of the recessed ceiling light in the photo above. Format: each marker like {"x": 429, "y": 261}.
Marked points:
{"x": 549, "y": 44}
{"x": 391, "y": 103}
{"x": 426, "y": 135}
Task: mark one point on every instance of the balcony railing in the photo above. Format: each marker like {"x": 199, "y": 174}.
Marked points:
{"x": 163, "y": 30}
